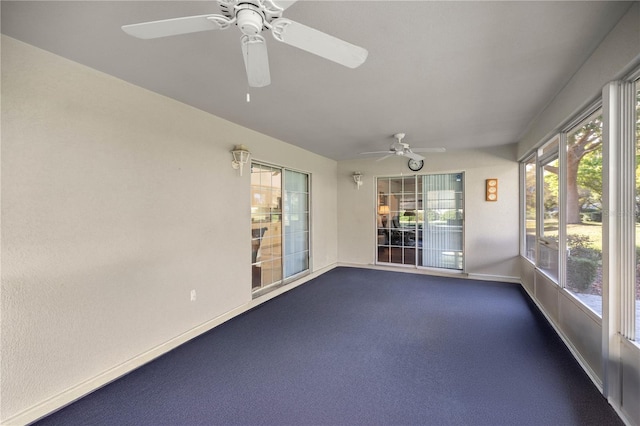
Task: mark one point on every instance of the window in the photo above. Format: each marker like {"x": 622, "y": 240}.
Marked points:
{"x": 530, "y": 209}
{"x": 278, "y": 252}
{"x": 547, "y": 174}
{"x": 584, "y": 211}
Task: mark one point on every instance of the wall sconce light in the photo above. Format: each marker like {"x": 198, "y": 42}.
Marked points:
{"x": 357, "y": 178}
{"x": 241, "y": 156}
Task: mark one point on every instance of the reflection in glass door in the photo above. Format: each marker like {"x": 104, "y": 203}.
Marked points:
{"x": 266, "y": 225}
{"x": 399, "y": 206}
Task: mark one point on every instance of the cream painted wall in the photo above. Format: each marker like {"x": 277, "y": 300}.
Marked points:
{"x": 116, "y": 203}
{"x": 491, "y": 228}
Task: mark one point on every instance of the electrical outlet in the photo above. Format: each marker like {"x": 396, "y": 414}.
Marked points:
{"x": 193, "y": 295}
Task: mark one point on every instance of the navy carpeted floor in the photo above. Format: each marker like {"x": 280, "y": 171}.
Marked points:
{"x": 358, "y": 346}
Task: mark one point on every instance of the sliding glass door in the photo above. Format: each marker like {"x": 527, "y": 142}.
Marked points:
{"x": 420, "y": 221}
{"x": 279, "y": 226}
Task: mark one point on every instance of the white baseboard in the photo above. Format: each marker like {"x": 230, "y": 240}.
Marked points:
{"x": 434, "y": 271}
{"x": 76, "y": 392}
{"x": 501, "y": 278}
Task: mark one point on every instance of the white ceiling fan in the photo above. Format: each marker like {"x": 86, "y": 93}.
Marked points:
{"x": 252, "y": 17}
{"x": 403, "y": 149}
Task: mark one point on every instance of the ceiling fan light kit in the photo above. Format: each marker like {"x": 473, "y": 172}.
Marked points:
{"x": 252, "y": 17}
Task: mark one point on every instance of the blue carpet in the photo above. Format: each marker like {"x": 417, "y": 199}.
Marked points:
{"x": 358, "y": 346}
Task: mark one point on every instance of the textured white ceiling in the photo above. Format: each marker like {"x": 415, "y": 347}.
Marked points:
{"x": 449, "y": 74}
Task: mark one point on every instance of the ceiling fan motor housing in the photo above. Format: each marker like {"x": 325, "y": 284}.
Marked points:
{"x": 250, "y": 21}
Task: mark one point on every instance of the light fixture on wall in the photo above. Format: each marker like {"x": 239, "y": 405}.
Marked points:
{"x": 357, "y": 178}
{"x": 241, "y": 156}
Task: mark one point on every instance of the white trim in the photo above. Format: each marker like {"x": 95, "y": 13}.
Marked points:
{"x": 453, "y": 273}
{"x": 82, "y": 389}
{"x": 500, "y": 278}
{"x": 562, "y": 210}
{"x": 584, "y": 116}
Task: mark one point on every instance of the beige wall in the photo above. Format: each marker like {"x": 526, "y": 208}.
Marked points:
{"x": 491, "y": 225}
{"x": 116, "y": 203}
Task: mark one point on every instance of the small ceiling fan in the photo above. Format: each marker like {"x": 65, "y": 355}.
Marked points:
{"x": 403, "y": 149}
{"x": 252, "y": 17}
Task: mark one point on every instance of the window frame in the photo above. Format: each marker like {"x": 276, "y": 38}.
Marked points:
{"x": 582, "y": 119}
{"x": 548, "y": 153}
{"x": 524, "y": 246}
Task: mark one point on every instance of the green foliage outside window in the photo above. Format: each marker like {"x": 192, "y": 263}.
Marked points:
{"x": 583, "y": 262}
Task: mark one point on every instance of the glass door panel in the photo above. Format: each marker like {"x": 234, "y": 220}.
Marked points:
{"x": 266, "y": 225}
{"x": 396, "y": 223}
{"x": 296, "y": 223}
{"x": 442, "y": 237}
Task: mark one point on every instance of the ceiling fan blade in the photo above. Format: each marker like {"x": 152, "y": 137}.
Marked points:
{"x": 428, "y": 149}
{"x": 256, "y": 60}
{"x": 284, "y": 4}
{"x": 377, "y": 152}
{"x": 385, "y": 157}
{"x": 413, "y": 156}
{"x": 318, "y": 43}
{"x": 176, "y": 26}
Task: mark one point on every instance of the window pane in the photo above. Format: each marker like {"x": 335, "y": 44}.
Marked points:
{"x": 530, "y": 209}
{"x": 584, "y": 212}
